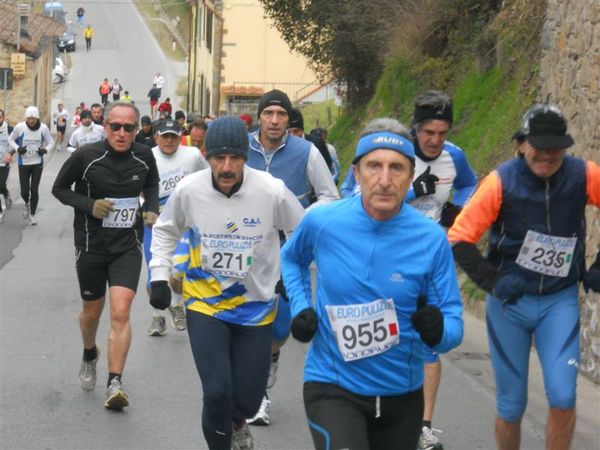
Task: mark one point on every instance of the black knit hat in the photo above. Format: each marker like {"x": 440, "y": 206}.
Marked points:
{"x": 226, "y": 135}
{"x": 296, "y": 119}
{"x": 443, "y": 112}
{"x": 275, "y": 98}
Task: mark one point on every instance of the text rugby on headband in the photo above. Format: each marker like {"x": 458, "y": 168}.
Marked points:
{"x": 384, "y": 140}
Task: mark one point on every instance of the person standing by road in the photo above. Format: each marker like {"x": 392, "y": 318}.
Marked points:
{"x": 174, "y": 162}
{"x": 5, "y": 160}
{"x": 80, "y": 13}
{"x": 88, "y": 33}
{"x": 32, "y": 140}
{"x": 104, "y": 89}
{"x": 534, "y": 207}
{"x": 109, "y": 177}
{"x": 87, "y": 132}
{"x": 233, "y": 212}
{"x": 298, "y": 163}
{"x": 60, "y": 117}
{"x": 386, "y": 285}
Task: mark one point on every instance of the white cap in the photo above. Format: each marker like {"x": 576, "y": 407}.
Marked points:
{"x": 32, "y": 111}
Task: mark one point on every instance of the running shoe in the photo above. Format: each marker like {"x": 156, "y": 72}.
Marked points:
{"x": 9, "y": 201}
{"x": 116, "y": 398}
{"x": 272, "y": 374}
{"x": 158, "y": 327}
{"x": 87, "y": 373}
{"x": 242, "y": 439}
{"x": 1, "y": 216}
{"x": 3, "y": 202}
{"x": 178, "y": 317}
{"x": 26, "y": 212}
{"x": 262, "y": 416}
{"x": 32, "y": 220}
{"x": 429, "y": 441}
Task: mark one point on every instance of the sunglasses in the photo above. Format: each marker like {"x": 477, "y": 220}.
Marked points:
{"x": 128, "y": 127}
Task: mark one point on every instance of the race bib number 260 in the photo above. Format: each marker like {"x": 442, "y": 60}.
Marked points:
{"x": 124, "y": 213}
{"x": 364, "y": 330}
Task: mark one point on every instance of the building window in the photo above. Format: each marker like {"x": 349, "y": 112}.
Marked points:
{"x": 209, "y": 29}
{"x": 199, "y": 23}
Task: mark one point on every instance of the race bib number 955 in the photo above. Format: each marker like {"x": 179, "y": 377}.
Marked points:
{"x": 364, "y": 330}
{"x": 124, "y": 213}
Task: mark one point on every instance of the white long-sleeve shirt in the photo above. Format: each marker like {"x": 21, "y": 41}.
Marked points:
{"x": 23, "y": 136}
{"x": 85, "y": 135}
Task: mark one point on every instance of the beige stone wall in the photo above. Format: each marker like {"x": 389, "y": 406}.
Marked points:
{"x": 570, "y": 75}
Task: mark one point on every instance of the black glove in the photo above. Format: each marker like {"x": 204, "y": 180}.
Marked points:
{"x": 424, "y": 184}
{"x": 160, "y": 294}
{"x": 429, "y": 322}
{"x": 22, "y": 150}
{"x": 449, "y": 214}
{"x": 509, "y": 288}
{"x": 304, "y": 325}
{"x": 591, "y": 279}
{"x": 42, "y": 151}
{"x": 280, "y": 289}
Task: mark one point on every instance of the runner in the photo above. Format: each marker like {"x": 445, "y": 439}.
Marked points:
{"x": 301, "y": 167}
{"x": 154, "y": 95}
{"x": 88, "y": 33}
{"x": 195, "y": 138}
{"x": 76, "y": 121}
{"x": 173, "y": 161}
{"x": 80, "y": 13}
{"x": 104, "y": 89}
{"x": 146, "y": 134}
{"x": 109, "y": 177}
{"x": 386, "y": 285}
{"x": 166, "y": 107}
{"x": 159, "y": 81}
{"x": 5, "y": 160}
{"x": 126, "y": 97}
{"x": 97, "y": 114}
{"x": 116, "y": 90}
{"x": 534, "y": 207}
{"x": 60, "y": 119}
{"x": 32, "y": 140}
{"x": 87, "y": 133}
{"x": 229, "y": 293}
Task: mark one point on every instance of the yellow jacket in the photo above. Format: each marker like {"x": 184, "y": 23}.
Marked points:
{"x": 88, "y": 33}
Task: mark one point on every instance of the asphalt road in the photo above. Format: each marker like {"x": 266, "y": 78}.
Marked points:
{"x": 41, "y": 403}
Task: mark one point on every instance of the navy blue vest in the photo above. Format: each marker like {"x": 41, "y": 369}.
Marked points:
{"x": 555, "y": 206}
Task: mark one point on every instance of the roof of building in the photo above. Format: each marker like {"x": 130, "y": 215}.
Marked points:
{"x": 39, "y": 29}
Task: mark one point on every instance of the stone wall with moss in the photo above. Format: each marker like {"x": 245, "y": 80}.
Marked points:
{"x": 570, "y": 77}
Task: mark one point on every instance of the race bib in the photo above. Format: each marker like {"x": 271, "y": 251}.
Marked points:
{"x": 229, "y": 257}
{"x": 364, "y": 330}
{"x": 124, "y": 214}
{"x": 545, "y": 254}
{"x": 168, "y": 181}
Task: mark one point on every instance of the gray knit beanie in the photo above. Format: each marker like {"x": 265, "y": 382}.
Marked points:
{"x": 226, "y": 135}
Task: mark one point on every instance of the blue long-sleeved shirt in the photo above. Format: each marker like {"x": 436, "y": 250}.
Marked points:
{"x": 359, "y": 260}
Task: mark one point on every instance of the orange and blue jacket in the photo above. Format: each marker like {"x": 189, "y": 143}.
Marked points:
{"x": 512, "y": 200}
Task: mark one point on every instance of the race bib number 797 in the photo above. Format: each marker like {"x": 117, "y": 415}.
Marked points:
{"x": 124, "y": 213}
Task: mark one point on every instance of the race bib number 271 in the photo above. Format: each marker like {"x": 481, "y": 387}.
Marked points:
{"x": 364, "y": 330}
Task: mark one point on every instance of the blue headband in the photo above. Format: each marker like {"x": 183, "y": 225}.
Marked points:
{"x": 384, "y": 140}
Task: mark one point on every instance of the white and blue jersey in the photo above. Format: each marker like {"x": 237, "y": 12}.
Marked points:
{"x": 360, "y": 261}
{"x": 33, "y": 140}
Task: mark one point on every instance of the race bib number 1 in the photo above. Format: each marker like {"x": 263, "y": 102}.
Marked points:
{"x": 364, "y": 330}
{"x": 545, "y": 254}
{"x": 124, "y": 214}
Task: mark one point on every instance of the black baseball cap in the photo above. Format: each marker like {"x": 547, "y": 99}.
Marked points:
{"x": 168, "y": 126}
{"x": 544, "y": 127}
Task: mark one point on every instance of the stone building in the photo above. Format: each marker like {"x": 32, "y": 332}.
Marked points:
{"x": 36, "y": 41}
{"x": 570, "y": 77}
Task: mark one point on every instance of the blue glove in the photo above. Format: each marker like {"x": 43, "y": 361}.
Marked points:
{"x": 591, "y": 279}
{"x": 509, "y": 288}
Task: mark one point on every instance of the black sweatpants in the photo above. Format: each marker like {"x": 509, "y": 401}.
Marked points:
{"x": 29, "y": 179}
{"x": 339, "y": 419}
{"x": 4, "y": 170}
{"x": 233, "y": 364}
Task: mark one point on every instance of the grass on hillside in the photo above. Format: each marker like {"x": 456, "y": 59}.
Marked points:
{"x": 181, "y": 10}
{"x": 160, "y": 31}
{"x": 319, "y": 115}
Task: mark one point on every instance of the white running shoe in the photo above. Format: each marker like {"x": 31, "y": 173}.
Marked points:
{"x": 2, "y": 218}
{"x": 158, "y": 327}
{"x": 428, "y": 440}
{"x": 26, "y": 211}
{"x": 9, "y": 201}
{"x": 178, "y": 317}
{"x": 272, "y": 374}
{"x": 116, "y": 397}
{"x": 32, "y": 220}
{"x": 242, "y": 439}
{"x": 262, "y": 416}
{"x": 87, "y": 373}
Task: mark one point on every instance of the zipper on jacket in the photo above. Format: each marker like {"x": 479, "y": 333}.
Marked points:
{"x": 377, "y": 407}
{"x": 548, "y": 225}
